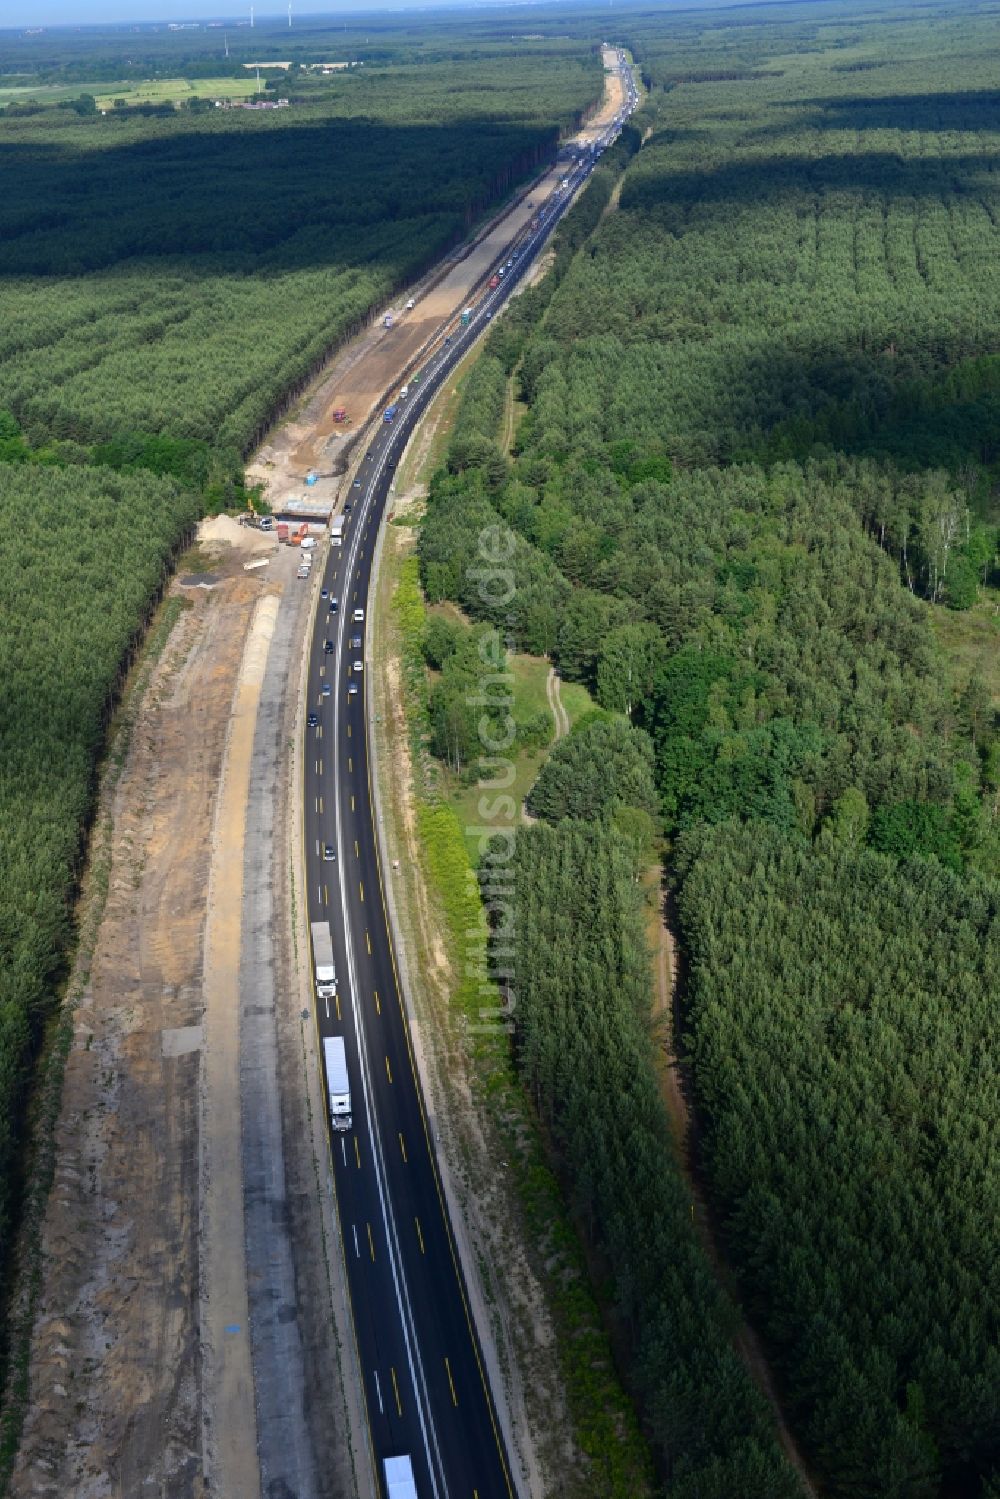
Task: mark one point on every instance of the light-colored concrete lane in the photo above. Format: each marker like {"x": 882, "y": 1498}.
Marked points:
{"x": 229, "y": 1419}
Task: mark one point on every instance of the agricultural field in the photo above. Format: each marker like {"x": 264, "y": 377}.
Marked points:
{"x": 175, "y": 90}
{"x": 752, "y": 508}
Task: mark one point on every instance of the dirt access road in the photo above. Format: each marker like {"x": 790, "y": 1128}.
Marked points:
{"x": 122, "y": 1343}
{"x": 369, "y": 368}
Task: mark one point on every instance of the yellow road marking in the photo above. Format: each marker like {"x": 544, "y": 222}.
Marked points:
{"x": 420, "y": 1237}
{"x": 326, "y": 895}
{"x": 451, "y": 1382}
{"x": 402, "y": 1146}
{"x": 337, "y": 998}
{"x": 352, "y": 801}
{"x": 388, "y": 1070}
{"x": 348, "y": 731}
{"x": 371, "y": 1242}
{"x": 357, "y": 1152}
{"x": 369, "y": 942}
{"x": 395, "y": 1391}
{"x": 378, "y": 1004}
{"x": 350, "y": 763}
{"x": 362, "y": 889}
{"x": 357, "y": 851}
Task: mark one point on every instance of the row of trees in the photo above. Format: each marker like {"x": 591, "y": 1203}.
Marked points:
{"x": 582, "y": 978}
{"x": 83, "y": 553}
{"x": 842, "y": 1017}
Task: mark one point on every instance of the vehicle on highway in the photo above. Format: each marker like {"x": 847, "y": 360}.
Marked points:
{"x": 337, "y": 532}
{"x": 447, "y": 338}
{"x": 312, "y": 720}
{"x": 355, "y": 642}
{"x": 359, "y": 615}
{"x": 404, "y": 392}
{"x": 352, "y": 691}
{"x": 358, "y": 667}
{"x": 334, "y": 605}
{"x": 328, "y": 647}
{"x": 325, "y": 973}
{"x": 338, "y": 1091}
{"x": 324, "y": 593}
{"x": 389, "y": 414}
{"x": 329, "y": 853}
{"x": 399, "y": 1480}
{"x": 348, "y": 508}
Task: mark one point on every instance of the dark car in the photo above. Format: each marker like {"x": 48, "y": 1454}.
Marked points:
{"x": 334, "y": 605}
{"x": 329, "y": 853}
{"x": 312, "y": 720}
{"x": 328, "y": 647}
{"x": 357, "y": 484}
{"x": 347, "y": 508}
{"x": 324, "y": 593}
{"x": 355, "y": 642}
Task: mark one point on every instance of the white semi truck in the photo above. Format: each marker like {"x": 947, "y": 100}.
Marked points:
{"x": 326, "y": 974}
{"x": 337, "y": 532}
{"x": 399, "y": 1478}
{"x": 338, "y": 1085}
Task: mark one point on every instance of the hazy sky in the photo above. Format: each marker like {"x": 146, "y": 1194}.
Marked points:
{"x": 22, "y": 13}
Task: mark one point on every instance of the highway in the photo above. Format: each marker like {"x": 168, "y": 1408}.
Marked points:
{"x": 425, "y": 1387}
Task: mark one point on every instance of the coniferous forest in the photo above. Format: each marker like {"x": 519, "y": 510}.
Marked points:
{"x": 754, "y": 469}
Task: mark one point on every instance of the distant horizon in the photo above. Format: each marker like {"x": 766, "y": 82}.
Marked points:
{"x": 70, "y": 14}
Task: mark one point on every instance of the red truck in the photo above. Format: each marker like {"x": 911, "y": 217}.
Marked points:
{"x": 494, "y": 282}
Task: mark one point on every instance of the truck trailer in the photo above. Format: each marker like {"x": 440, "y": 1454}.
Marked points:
{"x": 326, "y": 976}
{"x": 338, "y": 1087}
{"x": 399, "y": 1478}
{"x": 337, "y": 532}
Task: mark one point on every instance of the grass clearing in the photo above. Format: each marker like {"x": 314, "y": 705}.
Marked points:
{"x": 971, "y": 641}
{"x": 173, "y": 90}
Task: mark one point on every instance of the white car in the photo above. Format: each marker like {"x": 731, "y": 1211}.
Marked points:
{"x": 358, "y": 667}
{"x": 359, "y": 615}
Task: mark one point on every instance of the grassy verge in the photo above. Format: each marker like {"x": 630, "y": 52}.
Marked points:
{"x": 41, "y": 1162}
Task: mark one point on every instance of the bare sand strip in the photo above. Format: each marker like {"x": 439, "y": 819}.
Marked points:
{"x": 229, "y": 1420}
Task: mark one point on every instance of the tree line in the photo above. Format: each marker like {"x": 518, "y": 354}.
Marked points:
{"x": 83, "y": 554}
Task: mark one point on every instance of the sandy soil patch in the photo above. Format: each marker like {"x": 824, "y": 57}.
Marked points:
{"x": 115, "y": 1364}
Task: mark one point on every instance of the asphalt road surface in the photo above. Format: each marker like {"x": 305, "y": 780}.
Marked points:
{"x": 425, "y": 1387}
